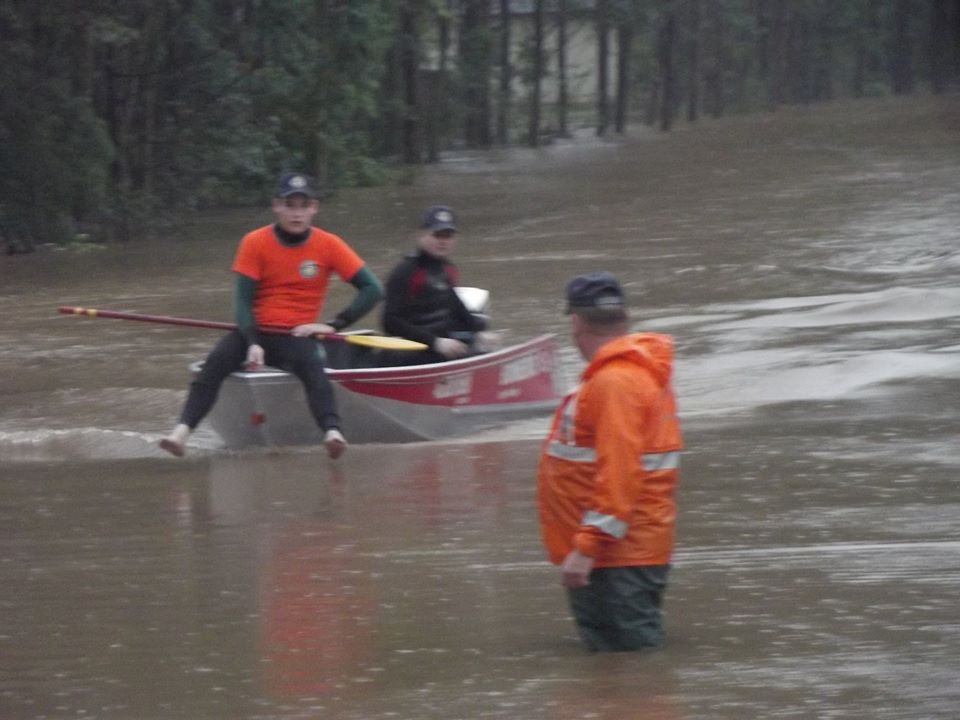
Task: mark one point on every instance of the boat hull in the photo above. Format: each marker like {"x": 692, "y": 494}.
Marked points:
{"x": 393, "y": 404}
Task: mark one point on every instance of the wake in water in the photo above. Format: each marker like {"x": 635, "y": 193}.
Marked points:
{"x": 89, "y": 443}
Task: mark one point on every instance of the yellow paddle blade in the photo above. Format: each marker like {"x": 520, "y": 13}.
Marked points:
{"x": 385, "y": 342}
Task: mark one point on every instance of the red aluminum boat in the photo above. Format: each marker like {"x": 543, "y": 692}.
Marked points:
{"x": 394, "y": 404}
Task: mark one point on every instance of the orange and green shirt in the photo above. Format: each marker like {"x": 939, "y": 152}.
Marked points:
{"x": 292, "y": 280}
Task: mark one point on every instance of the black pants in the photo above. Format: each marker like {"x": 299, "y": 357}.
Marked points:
{"x": 620, "y": 609}
{"x": 298, "y": 355}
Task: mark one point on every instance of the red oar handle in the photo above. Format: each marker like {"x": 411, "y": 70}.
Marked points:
{"x": 377, "y": 341}
{"x": 164, "y": 319}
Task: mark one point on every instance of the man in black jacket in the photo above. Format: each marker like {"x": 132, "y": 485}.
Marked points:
{"x": 421, "y": 303}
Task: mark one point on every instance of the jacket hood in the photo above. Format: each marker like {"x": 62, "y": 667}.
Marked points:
{"x": 651, "y": 351}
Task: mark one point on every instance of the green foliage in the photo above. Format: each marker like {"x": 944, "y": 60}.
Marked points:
{"x": 54, "y": 150}
{"x": 319, "y": 88}
{"x": 113, "y": 114}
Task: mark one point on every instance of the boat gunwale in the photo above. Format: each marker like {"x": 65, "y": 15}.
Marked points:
{"x": 409, "y": 373}
{"x": 440, "y": 369}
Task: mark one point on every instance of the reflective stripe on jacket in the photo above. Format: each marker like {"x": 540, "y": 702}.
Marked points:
{"x": 609, "y": 468}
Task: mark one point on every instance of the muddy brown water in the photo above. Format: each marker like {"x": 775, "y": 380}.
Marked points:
{"x": 806, "y": 263}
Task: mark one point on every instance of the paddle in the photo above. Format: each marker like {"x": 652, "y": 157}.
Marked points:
{"x": 383, "y": 342}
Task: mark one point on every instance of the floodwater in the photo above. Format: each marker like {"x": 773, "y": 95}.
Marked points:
{"x": 805, "y": 261}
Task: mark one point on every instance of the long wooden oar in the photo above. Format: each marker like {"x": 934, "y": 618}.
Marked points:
{"x": 384, "y": 342}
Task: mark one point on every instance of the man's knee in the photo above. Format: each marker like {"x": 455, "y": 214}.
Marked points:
{"x": 226, "y": 357}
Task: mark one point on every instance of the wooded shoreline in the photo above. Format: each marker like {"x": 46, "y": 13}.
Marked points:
{"x": 114, "y": 119}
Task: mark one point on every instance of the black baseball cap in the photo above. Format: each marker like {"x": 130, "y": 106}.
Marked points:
{"x": 437, "y": 218}
{"x": 596, "y": 290}
{"x": 295, "y": 183}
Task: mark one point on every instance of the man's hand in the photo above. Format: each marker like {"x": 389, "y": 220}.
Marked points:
{"x": 575, "y": 570}
{"x": 311, "y": 329}
{"x": 450, "y": 348}
{"x": 254, "y": 357}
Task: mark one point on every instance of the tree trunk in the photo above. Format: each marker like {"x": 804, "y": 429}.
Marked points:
{"x": 154, "y": 32}
{"x": 435, "y": 111}
{"x": 318, "y": 161}
{"x": 122, "y": 82}
{"x": 901, "y": 64}
{"x": 761, "y": 21}
{"x": 826, "y": 63}
{"x": 475, "y": 65}
{"x": 533, "y": 138}
{"x": 798, "y": 59}
{"x": 603, "y": 52}
{"x": 625, "y": 52}
{"x": 867, "y": 56}
{"x": 777, "y": 60}
{"x": 955, "y": 38}
{"x": 860, "y": 63}
{"x": 941, "y": 47}
{"x": 506, "y": 74}
{"x": 693, "y": 71}
{"x": 562, "y": 68}
{"x": 410, "y": 62}
{"x": 665, "y": 54}
{"x": 716, "y": 54}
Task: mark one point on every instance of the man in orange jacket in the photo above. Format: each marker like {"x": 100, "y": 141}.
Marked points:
{"x": 608, "y": 473}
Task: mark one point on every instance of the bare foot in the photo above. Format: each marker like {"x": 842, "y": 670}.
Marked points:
{"x": 335, "y": 443}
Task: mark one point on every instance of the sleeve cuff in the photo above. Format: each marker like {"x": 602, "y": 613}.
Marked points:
{"x": 586, "y": 544}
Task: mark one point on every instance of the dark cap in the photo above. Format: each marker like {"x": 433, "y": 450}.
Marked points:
{"x": 597, "y": 290}
{"x": 438, "y": 217}
{"x": 295, "y": 183}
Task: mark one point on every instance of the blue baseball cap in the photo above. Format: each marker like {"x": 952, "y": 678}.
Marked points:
{"x": 438, "y": 217}
{"x": 295, "y": 183}
{"x": 597, "y": 290}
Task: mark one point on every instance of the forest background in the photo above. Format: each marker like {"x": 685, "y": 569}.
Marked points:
{"x": 118, "y": 118}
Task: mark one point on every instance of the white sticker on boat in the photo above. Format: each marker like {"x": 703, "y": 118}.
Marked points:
{"x": 523, "y": 368}
{"x": 453, "y": 386}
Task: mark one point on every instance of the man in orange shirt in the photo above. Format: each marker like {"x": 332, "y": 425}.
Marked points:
{"x": 282, "y": 271}
{"x": 608, "y": 473}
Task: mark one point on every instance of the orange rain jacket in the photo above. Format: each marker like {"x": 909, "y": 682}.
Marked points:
{"x": 609, "y": 468}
